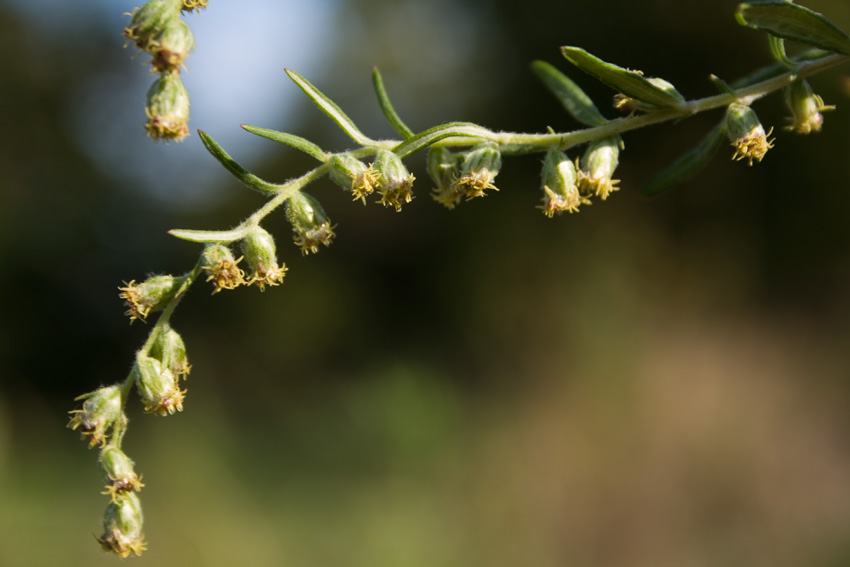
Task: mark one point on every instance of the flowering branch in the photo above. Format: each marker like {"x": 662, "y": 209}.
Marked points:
{"x": 464, "y": 160}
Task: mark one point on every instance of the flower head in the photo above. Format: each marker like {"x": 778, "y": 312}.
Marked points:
{"x": 170, "y": 350}
{"x": 806, "y": 108}
{"x": 167, "y": 108}
{"x": 122, "y": 526}
{"x": 479, "y": 168}
{"x": 222, "y": 267}
{"x": 443, "y": 170}
{"x": 746, "y": 133}
{"x": 310, "y": 225}
{"x": 153, "y": 294}
{"x": 394, "y": 181}
{"x": 101, "y": 410}
{"x": 261, "y": 256}
{"x": 560, "y": 188}
{"x": 353, "y": 175}
{"x": 597, "y": 167}
{"x": 157, "y": 386}
{"x": 117, "y": 470}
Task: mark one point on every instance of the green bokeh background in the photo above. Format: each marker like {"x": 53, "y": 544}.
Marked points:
{"x": 647, "y": 383}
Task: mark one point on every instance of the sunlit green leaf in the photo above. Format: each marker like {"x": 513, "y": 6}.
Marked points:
{"x": 296, "y": 142}
{"x": 237, "y": 170}
{"x": 432, "y": 135}
{"x": 387, "y": 107}
{"x": 792, "y": 21}
{"x": 630, "y": 83}
{"x": 568, "y": 94}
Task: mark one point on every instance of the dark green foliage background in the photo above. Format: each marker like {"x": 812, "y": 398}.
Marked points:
{"x": 646, "y": 383}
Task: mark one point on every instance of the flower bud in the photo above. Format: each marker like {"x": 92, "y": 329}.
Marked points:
{"x": 153, "y": 294}
{"x": 480, "y": 167}
{"x": 170, "y": 350}
{"x": 353, "y": 175}
{"x": 157, "y": 386}
{"x": 443, "y": 170}
{"x": 148, "y": 21}
{"x": 101, "y": 409}
{"x": 261, "y": 256}
{"x": 217, "y": 260}
{"x": 172, "y": 47}
{"x": 117, "y": 470}
{"x": 167, "y": 108}
{"x": 746, "y": 133}
{"x": 394, "y": 180}
{"x": 122, "y": 526}
{"x": 560, "y": 185}
{"x": 598, "y": 165}
{"x": 805, "y": 106}
{"x": 310, "y": 224}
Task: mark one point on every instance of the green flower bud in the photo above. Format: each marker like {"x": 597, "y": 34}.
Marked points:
{"x": 806, "y": 108}
{"x": 101, "y": 410}
{"x": 148, "y": 21}
{"x": 597, "y": 167}
{"x": 167, "y": 109}
{"x": 443, "y": 170}
{"x": 310, "y": 224}
{"x": 261, "y": 255}
{"x": 122, "y": 526}
{"x": 118, "y": 473}
{"x": 746, "y": 133}
{"x": 157, "y": 386}
{"x": 353, "y": 175}
{"x": 479, "y": 168}
{"x": 394, "y": 182}
{"x": 217, "y": 260}
{"x": 560, "y": 185}
{"x": 170, "y": 350}
{"x": 151, "y": 295}
{"x": 172, "y": 47}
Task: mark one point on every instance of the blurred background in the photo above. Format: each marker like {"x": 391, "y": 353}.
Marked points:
{"x": 647, "y": 383}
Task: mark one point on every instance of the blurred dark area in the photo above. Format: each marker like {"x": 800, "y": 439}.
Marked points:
{"x": 646, "y": 383}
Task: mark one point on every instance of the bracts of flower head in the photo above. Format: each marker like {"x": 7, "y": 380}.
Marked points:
{"x": 598, "y": 164}
{"x": 157, "y": 386}
{"x": 746, "y": 133}
{"x": 310, "y": 225}
{"x": 560, "y": 185}
{"x": 167, "y": 108}
{"x": 443, "y": 169}
{"x": 353, "y": 175}
{"x": 151, "y": 295}
{"x": 805, "y": 107}
{"x": 222, "y": 268}
{"x": 118, "y": 472}
{"x": 101, "y": 411}
{"x": 478, "y": 170}
{"x": 260, "y": 253}
{"x": 122, "y": 526}
{"x": 394, "y": 180}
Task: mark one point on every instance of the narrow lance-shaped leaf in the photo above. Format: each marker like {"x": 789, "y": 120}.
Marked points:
{"x": 432, "y": 135}
{"x": 687, "y": 165}
{"x": 571, "y": 97}
{"x": 630, "y": 83}
{"x": 222, "y": 236}
{"x": 330, "y": 108}
{"x": 296, "y": 142}
{"x": 777, "y": 47}
{"x": 237, "y": 170}
{"x": 387, "y": 107}
{"x": 792, "y": 21}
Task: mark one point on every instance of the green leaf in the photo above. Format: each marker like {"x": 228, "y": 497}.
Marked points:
{"x": 571, "y": 97}
{"x": 296, "y": 142}
{"x": 777, "y": 47}
{"x": 222, "y": 236}
{"x": 331, "y": 109}
{"x": 387, "y": 107}
{"x": 237, "y": 170}
{"x": 721, "y": 85}
{"x": 450, "y": 130}
{"x": 630, "y": 83}
{"x": 792, "y": 21}
{"x": 687, "y": 165}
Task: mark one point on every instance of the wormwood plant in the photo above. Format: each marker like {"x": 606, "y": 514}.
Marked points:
{"x": 463, "y": 162}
